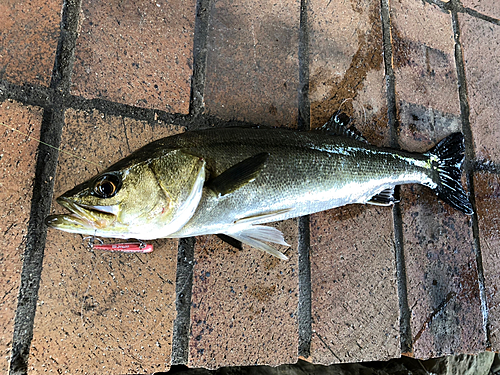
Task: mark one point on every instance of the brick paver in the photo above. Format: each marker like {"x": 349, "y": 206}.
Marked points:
{"x": 136, "y": 52}
{"x": 442, "y": 279}
{"x": 354, "y": 299}
{"x": 244, "y": 309}
{"x": 489, "y": 8}
{"x": 17, "y": 166}
{"x": 481, "y": 46}
{"x": 252, "y": 55}
{"x": 354, "y": 296}
{"x": 488, "y": 211}
{"x": 101, "y": 311}
{"x": 29, "y": 31}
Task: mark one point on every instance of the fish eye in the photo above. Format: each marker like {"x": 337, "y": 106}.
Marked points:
{"x": 107, "y": 186}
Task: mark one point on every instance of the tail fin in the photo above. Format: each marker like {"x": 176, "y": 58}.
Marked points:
{"x": 446, "y": 158}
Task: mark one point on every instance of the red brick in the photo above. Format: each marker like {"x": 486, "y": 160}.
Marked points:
{"x": 442, "y": 281}
{"x": 17, "y": 163}
{"x": 489, "y": 8}
{"x": 354, "y": 296}
{"x": 252, "y": 61}
{"x": 481, "y": 49}
{"x": 244, "y": 304}
{"x": 29, "y": 31}
{"x": 425, "y": 72}
{"x": 346, "y": 66}
{"x": 101, "y": 311}
{"x": 487, "y": 189}
{"x": 137, "y": 53}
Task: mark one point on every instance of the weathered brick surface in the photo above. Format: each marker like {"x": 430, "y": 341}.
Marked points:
{"x": 136, "y": 52}
{"x": 442, "y": 280}
{"x": 17, "y": 166}
{"x": 244, "y": 304}
{"x": 443, "y": 290}
{"x": 481, "y": 48}
{"x": 29, "y": 31}
{"x": 252, "y": 61}
{"x": 346, "y": 65}
{"x": 487, "y": 189}
{"x": 489, "y": 8}
{"x": 425, "y": 72}
{"x": 98, "y": 311}
{"x": 354, "y": 296}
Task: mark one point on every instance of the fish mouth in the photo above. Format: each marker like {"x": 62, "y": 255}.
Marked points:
{"x": 82, "y": 218}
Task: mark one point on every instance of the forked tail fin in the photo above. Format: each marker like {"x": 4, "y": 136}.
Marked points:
{"x": 446, "y": 159}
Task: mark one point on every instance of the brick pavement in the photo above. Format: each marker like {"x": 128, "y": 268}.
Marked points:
{"x": 362, "y": 283}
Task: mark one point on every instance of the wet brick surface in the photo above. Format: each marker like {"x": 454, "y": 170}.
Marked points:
{"x": 346, "y": 66}
{"x": 29, "y": 31}
{"x": 136, "y": 52}
{"x": 481, "y": 45}
{"x": 98, "y": 311}
{"x": 487, "y": 187}
{"x": 252, "y": 55}
{"x": 442, "y": 279}
{"x": 355, "y": 314}
{"x": 17, "y": 166}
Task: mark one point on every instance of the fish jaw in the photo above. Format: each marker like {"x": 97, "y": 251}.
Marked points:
{"x": 83, "y": 219}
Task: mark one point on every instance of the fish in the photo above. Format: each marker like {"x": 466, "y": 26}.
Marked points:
{"x": 230, "y": 181}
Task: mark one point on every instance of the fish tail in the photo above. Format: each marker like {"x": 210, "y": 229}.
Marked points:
{"x": 446, "y": 161}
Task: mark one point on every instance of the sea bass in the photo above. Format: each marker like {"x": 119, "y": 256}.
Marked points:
{"x": 230, "y": 181}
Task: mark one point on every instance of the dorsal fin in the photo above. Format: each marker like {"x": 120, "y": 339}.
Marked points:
{"x": 339, "y": 125}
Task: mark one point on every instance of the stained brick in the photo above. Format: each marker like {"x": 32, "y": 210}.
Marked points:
{"x": 424, "y": 67}
{"x": 101, "y": 311}
{"x": 17, "y": 165}
{"x": 489, "y": 8}
{"x": 442, "y": 281}
{"x": 252, "y": 61}
{"x": 481, "y": 48}
{"x": 346, "y": 66}
{"x": 136, "y": 52}
{"x": 487, "y": 189}
{"x": 29, "y": 31}
{"x": 354, "y": 298}
{"x": 244, "y": 304}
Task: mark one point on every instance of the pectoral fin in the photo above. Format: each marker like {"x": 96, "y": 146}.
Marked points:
{"x": 238, "y": 175}
{"x": 256, "y": 235}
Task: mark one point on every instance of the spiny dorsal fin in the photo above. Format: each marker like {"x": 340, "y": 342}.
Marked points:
{"x": 238, "y": 175}
{"x": 384, "y": 198}
{"x": 339, "y": 125}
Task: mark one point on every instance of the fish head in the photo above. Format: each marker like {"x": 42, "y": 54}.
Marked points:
{"x": 135, "y": 199}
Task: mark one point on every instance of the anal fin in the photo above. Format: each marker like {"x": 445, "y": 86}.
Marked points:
{"x": 384, "y": 198}
{"x": 257, "y": 236}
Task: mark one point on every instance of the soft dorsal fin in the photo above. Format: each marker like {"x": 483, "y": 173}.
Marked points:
{"x": 384, "y": 198}
{"x": 238, "y": 175}
{"x": 339, "y": 125}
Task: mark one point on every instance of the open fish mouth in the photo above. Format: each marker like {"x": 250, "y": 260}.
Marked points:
{"x": 82, "y": 217}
